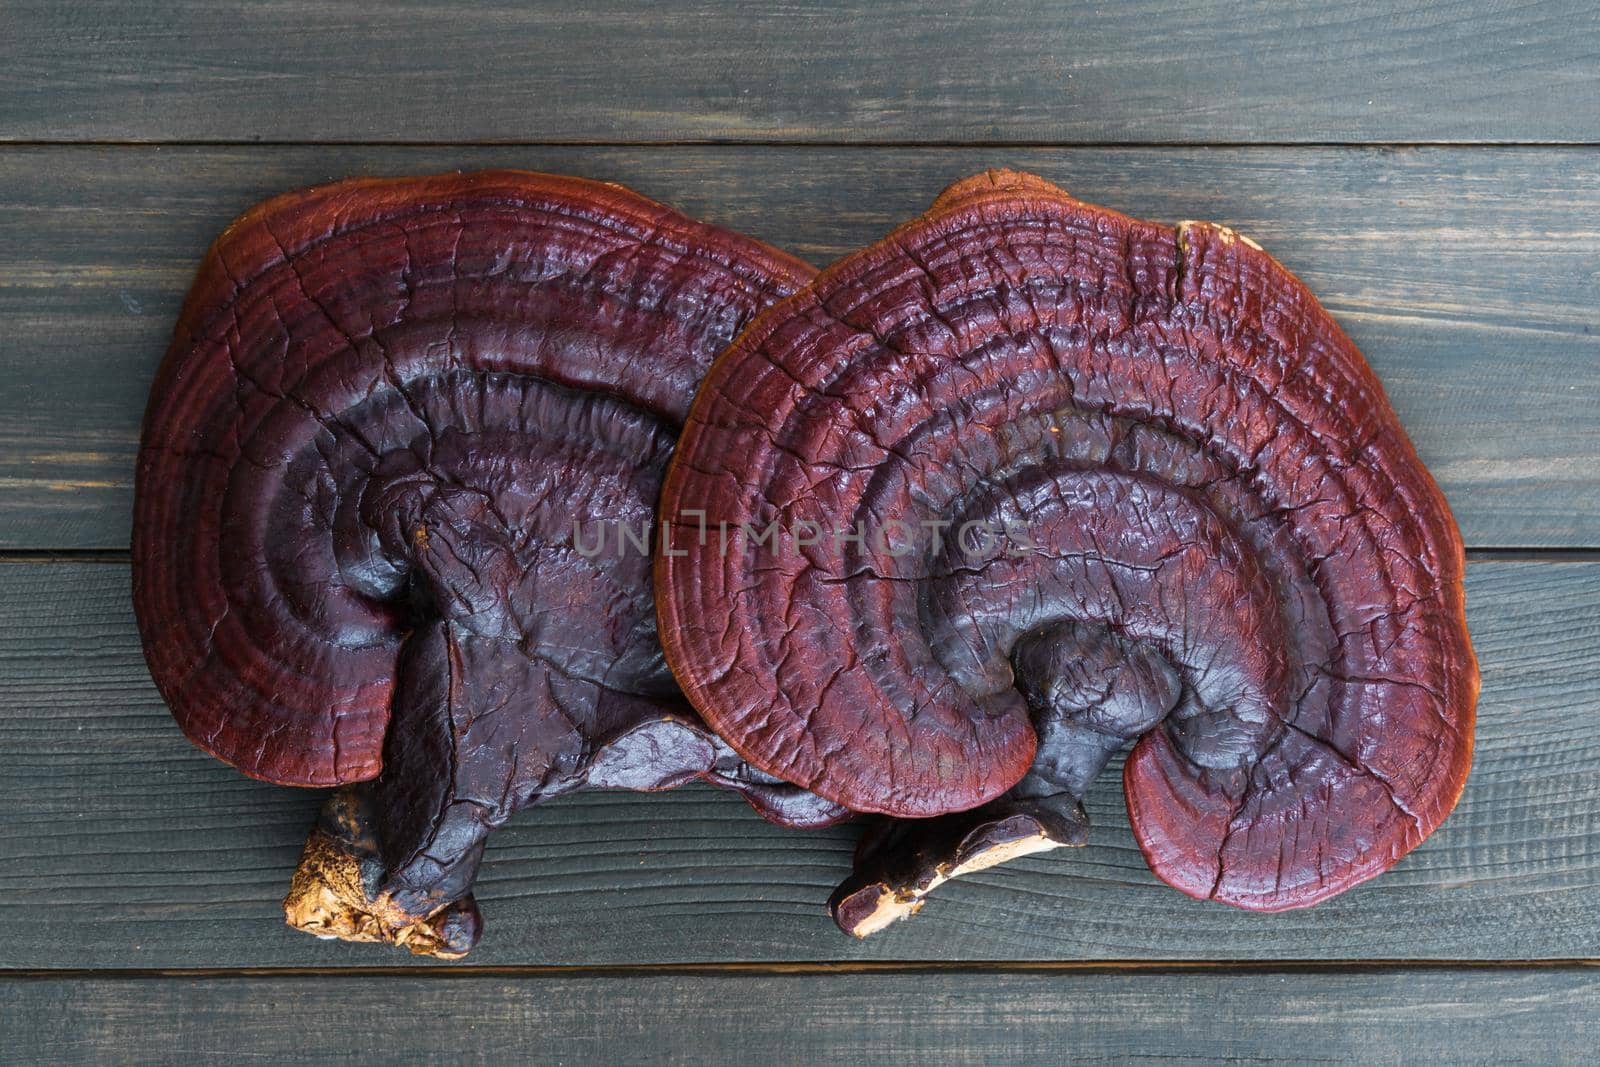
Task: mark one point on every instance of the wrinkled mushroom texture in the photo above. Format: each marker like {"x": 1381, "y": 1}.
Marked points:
{"x": 1195, "y": 520}
{"x": 396, "y": 419}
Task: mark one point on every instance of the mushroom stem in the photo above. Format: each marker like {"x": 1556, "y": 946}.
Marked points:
{"x": 468, "y": 727}
{"x": 481, "y": 730}
{"x": 475, "y": 736}
{"x": 900, "y": 861}
{"x": 336, "y": 891}
{"x": 1089, "y": 692}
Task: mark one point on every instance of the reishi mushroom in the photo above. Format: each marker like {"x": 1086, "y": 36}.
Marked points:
{"x": 396, "y": 420}
{"x": 1028, "y": 479}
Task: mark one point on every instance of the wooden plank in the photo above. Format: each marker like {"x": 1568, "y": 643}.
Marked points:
{"x": 1469, "y": 277}
{"x": 812, "y": 70}
{"x": 126, "y": 847}
{"x": 1391, "y": 1016}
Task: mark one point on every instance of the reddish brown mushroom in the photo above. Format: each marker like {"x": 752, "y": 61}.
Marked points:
{"x": 1029, "y": 478}
{"x": 394, "y": 475}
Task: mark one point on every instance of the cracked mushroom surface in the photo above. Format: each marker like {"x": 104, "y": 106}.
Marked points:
{"x": 395, "y": 476}
{"x": 1029, "y": 479}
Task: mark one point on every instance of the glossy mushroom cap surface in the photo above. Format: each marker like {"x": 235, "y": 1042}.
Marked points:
{"x": 393, "y": 505}
{"x": 393, "y": 401}
{"x": 1029, "y": 478}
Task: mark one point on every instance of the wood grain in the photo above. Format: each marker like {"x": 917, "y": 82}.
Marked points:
{"x": 1469, "y": 277}
{"x": 126, "y": 847}
{"x": 1401, "y": 1016}
{"x": 810, "y": 70}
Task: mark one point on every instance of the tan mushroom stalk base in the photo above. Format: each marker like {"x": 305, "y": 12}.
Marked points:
{"x": 898, "y": 863}
{"x": 335, "y": 892}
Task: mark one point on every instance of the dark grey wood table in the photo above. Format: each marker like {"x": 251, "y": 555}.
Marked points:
{"x": 1432, "y": 170}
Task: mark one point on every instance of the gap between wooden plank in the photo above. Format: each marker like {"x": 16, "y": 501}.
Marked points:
{"x": 975, "y": 967}
{"x": 692, "y": 143}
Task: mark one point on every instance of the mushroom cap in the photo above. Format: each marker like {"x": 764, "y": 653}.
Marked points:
{"x": 375, "y": 352}
{"x": 1136, "y": 436}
